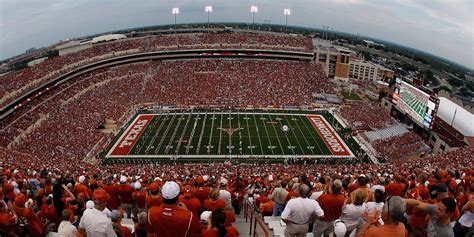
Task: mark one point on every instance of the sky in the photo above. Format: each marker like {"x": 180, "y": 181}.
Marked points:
{"x": 440, "y": 27}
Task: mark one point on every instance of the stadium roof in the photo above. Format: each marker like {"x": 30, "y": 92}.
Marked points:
{"x": 463, "y": 121}
{"x": 108, "y": 37}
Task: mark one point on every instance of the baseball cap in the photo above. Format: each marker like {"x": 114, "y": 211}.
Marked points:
{"x": 82, "y": 178}
{"x": 123, "y": 179}
{"x": 170, "y": 190}
{"x": 223, "y": 181}
{"x": 137, "y": 185}
{"x": 205, "y": 216}
{"x": 340, "y": 228}
{"x": 20, "y": 200}
{"x": 200, "y": 180}
{"x": 153, "y": 187}
{"x": 90, "y": 204}
{"x": 205, "y": 178}
{"x": 114, "y": 215}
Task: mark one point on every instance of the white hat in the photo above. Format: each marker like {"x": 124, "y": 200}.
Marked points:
{"x": 170, "y": 190}
{"x": 90, "y": 204}
{"x": 82, "y": 178}
{"x": 123, "y": 179}
{"x": 340, "y": 228}
{"x": 223, "y": 181}
{"x": 205, "y": 177}
{"x": 137, "y": 185}
{"x": 205, "y": 216}
{"x": 270, "y": 178}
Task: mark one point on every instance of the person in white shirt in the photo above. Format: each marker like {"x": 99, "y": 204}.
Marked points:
{"x": 66, "y": 229}
{"x": 224, "y": 194}
{"x": 299, "y": 212}
{"x": 95, "y": 222}
{"x": 351, "y": 212}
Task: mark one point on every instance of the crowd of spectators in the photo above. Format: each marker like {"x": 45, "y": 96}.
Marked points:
{"x": 15, "y": 84}
{"x": 400, "y": 146}
{"x": 38, "y": 193}
{"x": 367, "y": 116}
{"x": 63, "y": 122}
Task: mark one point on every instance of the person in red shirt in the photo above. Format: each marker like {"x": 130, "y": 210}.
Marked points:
{"x": 267, "y": 208}
{"x": 8, "y": 220}
{"x": 139, "y": 197}
{"x": 153, "y": 197}
{"x": 214, "y": 202}
{"x": 80, "y": 187}
{"x": 120, "y": 230}
{"x": 193, "y": 204}
{"x": 216, "y": 226}
{"x": 331, "y": 203}
{"x": 396, "y": 188}
{"x": 34, "y": 224}
{"x": 172, "y": 219}
{"x": 291, "y": 191}
{"x": 124, "y": 191}
{"x": 111, "y": 189}
{"x": 201, "y": 192}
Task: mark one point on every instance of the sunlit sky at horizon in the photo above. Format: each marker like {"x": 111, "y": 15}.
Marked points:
{"x": 440, "y": 27}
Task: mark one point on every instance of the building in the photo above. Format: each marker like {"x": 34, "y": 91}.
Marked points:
{"x": 368, "y": 71}
{"x": 335, "y": 60}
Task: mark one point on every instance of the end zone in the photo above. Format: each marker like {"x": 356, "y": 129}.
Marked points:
{"x": 330, "y": 137}
{"x": 128, "y": 139}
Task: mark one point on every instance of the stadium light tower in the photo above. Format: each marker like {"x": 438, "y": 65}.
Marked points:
{"x": 175, "y": 12}
{"x": 208, "y": 10}
{"x": 253, "y": 10}
{"x": 286, "y": 12}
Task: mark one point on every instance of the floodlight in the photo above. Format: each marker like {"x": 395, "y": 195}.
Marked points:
{"x": 287, "y": 11}
{"x": 208, "y": 8}
{"x": 253, "y": 9}
{"x": 175, "y": 10}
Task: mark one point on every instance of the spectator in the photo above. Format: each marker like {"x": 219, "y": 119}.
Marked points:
{"x": 352, "y": 211}
{"x": 66, "y": 229}
{"x": 392, "y": 216}
{"x": 120, "y": 230}
{"x": 331, "y": 204}
{"x": 279, "y": 196}
{"x": 216, "y": 227}
{"x": 439, "y": 224}
{"x": 172, "y": 219}
{"x": 95, "y": 222}
{"x": 299, "y": 212}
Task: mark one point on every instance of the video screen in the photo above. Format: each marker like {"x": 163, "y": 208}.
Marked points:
{"x": 419, "y": 105}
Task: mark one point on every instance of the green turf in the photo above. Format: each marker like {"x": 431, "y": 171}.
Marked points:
{"x": 255, "y": 134}
{"x": 350, "y": 96}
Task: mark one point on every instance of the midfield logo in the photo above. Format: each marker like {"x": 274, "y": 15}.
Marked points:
{"x": 230, "y": 131}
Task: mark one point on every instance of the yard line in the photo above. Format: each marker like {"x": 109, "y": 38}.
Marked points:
{"x": 296, "y": 138}
{"x": 230, "y": 139}
{"x": 268, "y": 136}
{"x": 296, "y": 124}
{"x": 210, "y": 135}
{"x": 311, "y": 133}
{"x": 202, "y": 133}
{"x": 278, "y": 137}
{"x": 196, "y": 119}
{"x": 166, "y": 133}
{"x": 220, "y": 135}
{"x": 182, "y": 133}
{"x": 258, "y": 134}
{"x": 174, "y": 134}
{"x": 250, "y": 140}
{"x": 155, "y": 134}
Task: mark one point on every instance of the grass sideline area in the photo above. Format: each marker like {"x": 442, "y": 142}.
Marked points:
{"x": 350, "y": 96}
{"x": 242, "y": 134}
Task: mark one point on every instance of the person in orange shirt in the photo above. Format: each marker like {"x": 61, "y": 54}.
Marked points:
{"x": 201, "y": 192}
{"x": 216, "y": 226}
{"x": 34, "y": 224}
{"x": 214, "y": 202}
{"x": 125, "y": 191}
{"x": 392, "y": 216}
{"x": 193, "y": 204}
{"x": 139, "y": 197}
{"x": 8, "y": 220}
{"x": 81, "y": 187}
{"x": 172, "y": 219}
{"x": 266, "y": 208}
{"x": 111, "y": 189}
{"x": 153, "y": 197}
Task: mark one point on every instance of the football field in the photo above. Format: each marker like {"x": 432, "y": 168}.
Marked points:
{"x": 417, "y": 105}
{"x": 228, "y": 134}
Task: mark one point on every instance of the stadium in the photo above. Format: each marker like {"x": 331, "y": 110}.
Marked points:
{"x": 246, "y": 109}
